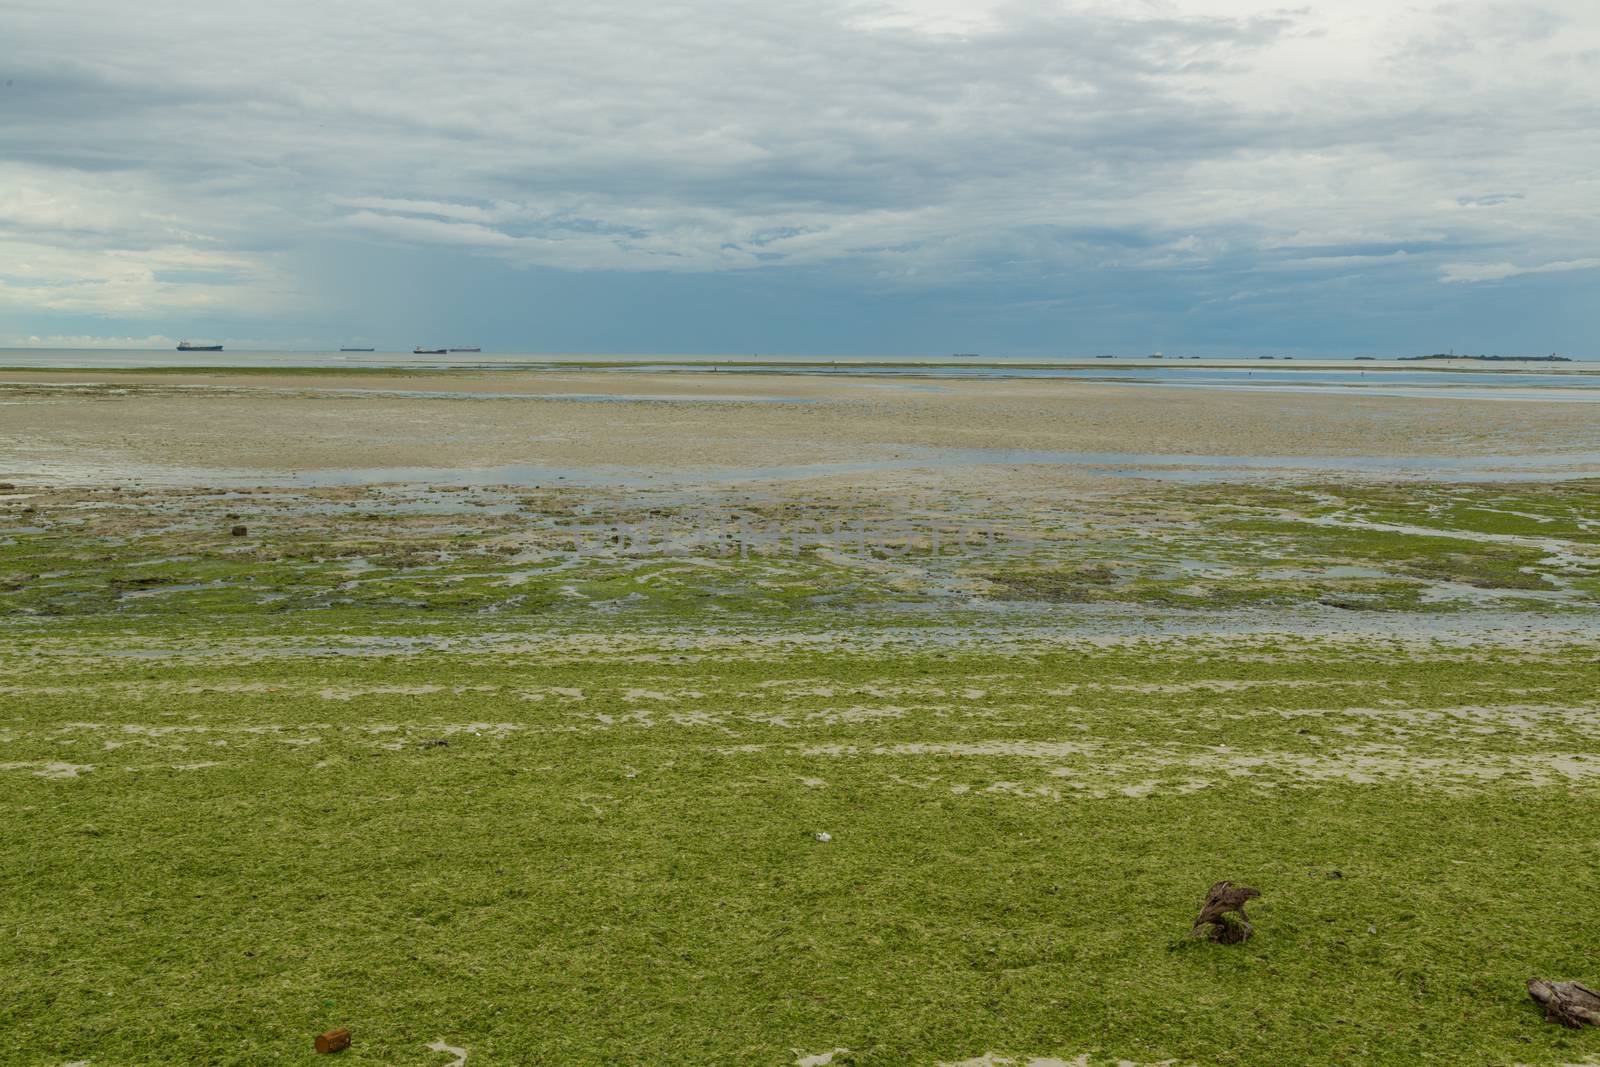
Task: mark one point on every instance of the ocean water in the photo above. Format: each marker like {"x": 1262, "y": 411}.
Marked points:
{"x": 1578, "y": 381}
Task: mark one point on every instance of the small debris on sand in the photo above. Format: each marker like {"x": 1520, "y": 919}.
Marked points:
{"x": 333, "y": 1041}
{"x": 1224, "y": 901}
{"x": 1568, "y": 1003}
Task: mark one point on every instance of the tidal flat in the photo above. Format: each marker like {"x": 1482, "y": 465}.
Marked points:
{"x": 918, "y": 762}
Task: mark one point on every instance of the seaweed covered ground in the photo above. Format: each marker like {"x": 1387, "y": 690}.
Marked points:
{"x": 588, "y": 776}
{"x": 605, "y": 848}
{"x": 564, "y": 556}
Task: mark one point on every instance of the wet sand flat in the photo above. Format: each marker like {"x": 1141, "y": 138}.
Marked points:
{"x": 702, "y": 420}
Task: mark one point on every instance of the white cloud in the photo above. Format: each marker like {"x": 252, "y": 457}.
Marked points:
{"x": 58, "y": 340}
{"x": 124, "y": 243}
{"x": 138, "y": 282}
{"x": 1345, "y": 262}
{"x": 1493, "y": 272}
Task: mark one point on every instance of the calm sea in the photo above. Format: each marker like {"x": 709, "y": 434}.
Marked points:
{"x": 1509, "y": 381}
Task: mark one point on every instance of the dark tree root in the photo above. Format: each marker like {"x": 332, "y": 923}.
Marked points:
{"x": 1567, "y": 1003}
{"x": 1222, "y": 917}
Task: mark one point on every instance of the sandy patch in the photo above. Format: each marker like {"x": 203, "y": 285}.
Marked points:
{"x": 818, "y": 1059}
{"x": 460, "y": 1054}
{"x": 49, "y": 768}
{"x": 1211, "y": 685}
{"x": 539, "y": 694}
{"x": 990, "y": 1059}
{"x": 633, "y": 696}
{"x": 351, "y": 692}
{"x": 1149, "y": 771}
{"x": 497, "y": 730}
{"x": 1028, "y": 749}
{"x": 153, "y": 735}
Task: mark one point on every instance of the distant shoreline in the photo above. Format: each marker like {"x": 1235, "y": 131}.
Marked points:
{"x": 143, "y": 361}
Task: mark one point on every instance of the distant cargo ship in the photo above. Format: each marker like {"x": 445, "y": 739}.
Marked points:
{"x": 357, "y": 350}
{"x": 466, "y": 350}
{"x": 185, "y": 346}
{"x": 428, "y": 351}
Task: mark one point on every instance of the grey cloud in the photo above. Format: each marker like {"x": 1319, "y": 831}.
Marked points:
{"x": 713, "y": 136}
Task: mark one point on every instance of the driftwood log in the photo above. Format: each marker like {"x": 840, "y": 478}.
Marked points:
{"x": 1567, "y": 1003}
{"x": 1217, "y": 919}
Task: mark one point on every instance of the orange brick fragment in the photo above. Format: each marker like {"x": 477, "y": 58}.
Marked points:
{"x": 333, "y": 1040}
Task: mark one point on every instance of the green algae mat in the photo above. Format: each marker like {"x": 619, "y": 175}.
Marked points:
{"x": 372, "y": 769}
{"x": 589, "y": 849}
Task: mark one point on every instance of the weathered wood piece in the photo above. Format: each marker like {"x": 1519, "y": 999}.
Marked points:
{"x": 1224, "y": 901}
{"x": 1567, "y": 1003}
{"x": 333, "y": 1041}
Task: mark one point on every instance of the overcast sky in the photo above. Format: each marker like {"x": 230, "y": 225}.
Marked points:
{"x": 915, "y": 176}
